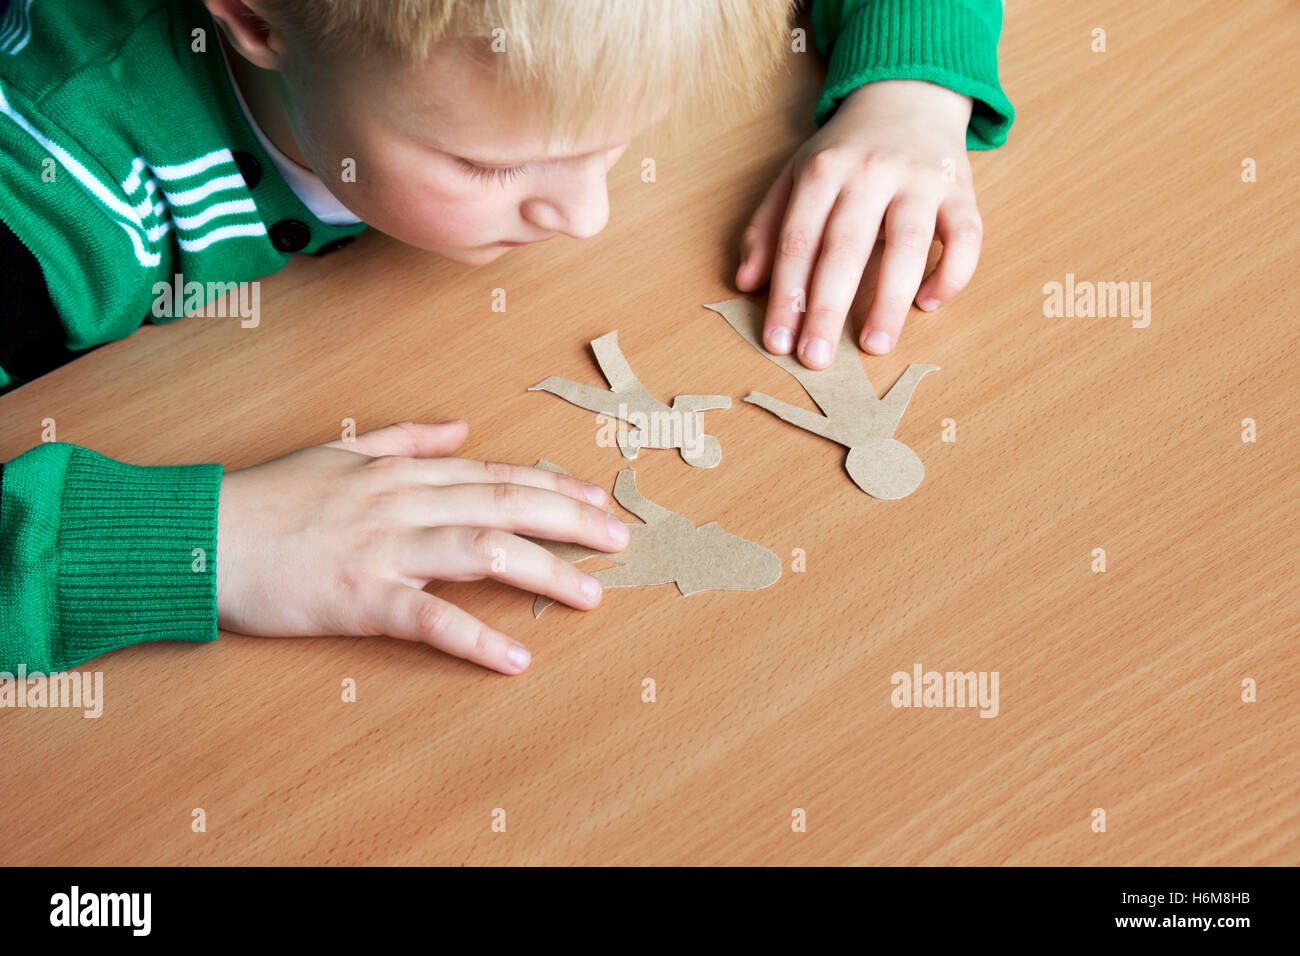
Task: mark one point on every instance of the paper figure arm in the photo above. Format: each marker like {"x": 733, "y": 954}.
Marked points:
{"x": 625, "y": 493}
{"x": 799, "y": 417}
{"x": 701, "y": 403}
{"x": 895, "y": 401}
{"x": 584, "y": 396}
{"x": 612, "y": 363}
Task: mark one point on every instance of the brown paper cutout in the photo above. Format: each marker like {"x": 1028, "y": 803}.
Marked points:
{"x": 627, "y": 398}
{"x": 668, "y": 548}
{"x": 853, "y": 416}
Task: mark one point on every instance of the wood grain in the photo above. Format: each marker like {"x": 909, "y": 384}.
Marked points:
{"x": 1118, "y": 690}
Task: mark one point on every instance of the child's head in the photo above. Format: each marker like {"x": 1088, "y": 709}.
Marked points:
{"x": 472, "y": 123}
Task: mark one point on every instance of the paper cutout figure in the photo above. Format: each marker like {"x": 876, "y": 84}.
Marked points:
{"x": 669, "y": 548}
{"x": 654, "y": 424}
{"x": 853, "y": 415}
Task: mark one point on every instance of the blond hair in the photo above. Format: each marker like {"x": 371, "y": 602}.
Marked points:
{"x": 582, "y": 58}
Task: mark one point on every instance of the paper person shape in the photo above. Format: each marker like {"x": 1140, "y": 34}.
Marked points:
{"x": 853, "y": 415}
{"x": 669, "y": 548}
{"x": 653, "y": 424}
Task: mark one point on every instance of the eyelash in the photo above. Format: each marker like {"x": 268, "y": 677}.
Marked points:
{"x": 502, "y": 174}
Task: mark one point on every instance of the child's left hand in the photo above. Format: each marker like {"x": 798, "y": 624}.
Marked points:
{"x": 894, "y": 151}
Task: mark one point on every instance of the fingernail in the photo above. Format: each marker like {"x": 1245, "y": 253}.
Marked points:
{"x": 617, "y": 529}
{"x": 518, "y": 657}
{"x": 590, "y": 587}
{"x": 929, "y": 303}
{"x": 817, "y": 351}
{"x": 781, "y": 340}
{"x": 595, "y": 494}
{"x": 879, "y": 342}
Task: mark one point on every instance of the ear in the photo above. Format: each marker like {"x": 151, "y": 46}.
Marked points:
{"x": 248, "y": 33}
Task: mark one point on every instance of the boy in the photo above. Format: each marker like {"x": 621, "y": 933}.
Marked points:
{"x": 133, "y": 148}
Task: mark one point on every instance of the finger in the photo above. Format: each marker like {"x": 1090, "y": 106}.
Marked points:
{"x": 462, "y": 471}
{"x": 521, "y": 509}
{"x": 814, "y": 192}
{"x": 850, "y": 237}
{"x": 960, "y": 230}
{"x": 470, "y": 554}
{"x": 909, "y": 229}
{"x": 409, "y": 439}
{"x": 415, "y": 615}
{"x": 759, "y": 238}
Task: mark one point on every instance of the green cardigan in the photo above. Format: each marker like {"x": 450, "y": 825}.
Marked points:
{"x": 96, "y": 554}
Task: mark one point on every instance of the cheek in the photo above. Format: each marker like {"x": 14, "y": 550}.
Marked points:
{"x": 415, "y": 200}
{"x": 408, "y": 194}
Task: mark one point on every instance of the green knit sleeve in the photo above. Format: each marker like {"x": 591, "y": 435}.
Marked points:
{"x": 953, "y": 43}
{"x": 96, "y": 554}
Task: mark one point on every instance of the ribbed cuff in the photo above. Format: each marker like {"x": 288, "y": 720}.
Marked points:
{"x": 112, "y": 554}
{"x": 942, "y": 41}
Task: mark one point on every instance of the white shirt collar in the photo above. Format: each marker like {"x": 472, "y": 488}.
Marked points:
{"x": 306, "y": 185}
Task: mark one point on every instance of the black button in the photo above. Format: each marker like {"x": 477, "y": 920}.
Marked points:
{"x": 334, "y": 246}
{"x": 290, "y": 235}
{"x": 249, "y": 168}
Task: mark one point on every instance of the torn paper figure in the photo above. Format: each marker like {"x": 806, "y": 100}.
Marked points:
{"x": 669, "y": 548}
{"x": 652, "y": 423}
{"x": 854, "y": 416}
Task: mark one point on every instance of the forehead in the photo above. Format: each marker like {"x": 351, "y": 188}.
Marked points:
{"x": 452, "y": 102}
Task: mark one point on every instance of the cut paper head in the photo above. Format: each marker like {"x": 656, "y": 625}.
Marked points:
{"x": 704, "y": 452}
{"x": 884, "y": 468}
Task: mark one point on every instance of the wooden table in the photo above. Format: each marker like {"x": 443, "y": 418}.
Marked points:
{"x": 1119, "y": 690}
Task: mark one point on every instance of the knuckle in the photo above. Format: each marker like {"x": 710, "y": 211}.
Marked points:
{"x": 508, "y": 498}
{"x": 944, "y": 287}
{"x": 877, "y": 165}
{"x": 432, "y": 618}
{"x": 501, "y": 471}
{"x": 823, "y": 162}
{"x": 574, "y": 488}
{"x": 825, "y": 316}
{"x": 383, "y": 497}
{"x": 795, "y": 244}
{"x": 597, "y": 521}
{"x": 891, "y": 305}
{"x": 968, "y": 231}
{"x": 374, "y": 545}
{"x": 483, "y": 643}
{"x": 844, "y": 247}
{"x": 909, "y": 236}
{"x": 483, "y": 542}
{"x": 385, "y": 462}
{"x": 410, "y": 432}
{"x": 564, "y": 576}
{"x": 351, "y": 584}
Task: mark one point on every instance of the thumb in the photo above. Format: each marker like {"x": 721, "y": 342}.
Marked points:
{"x": 409, "y": 439}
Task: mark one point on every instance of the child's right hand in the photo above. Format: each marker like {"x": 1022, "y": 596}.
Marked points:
{"x": 340, "y": 538}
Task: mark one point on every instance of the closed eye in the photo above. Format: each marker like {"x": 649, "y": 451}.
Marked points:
{"x": 502, "y": 174}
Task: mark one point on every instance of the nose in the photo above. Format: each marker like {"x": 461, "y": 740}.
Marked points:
{"x": 576, "y": 200}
